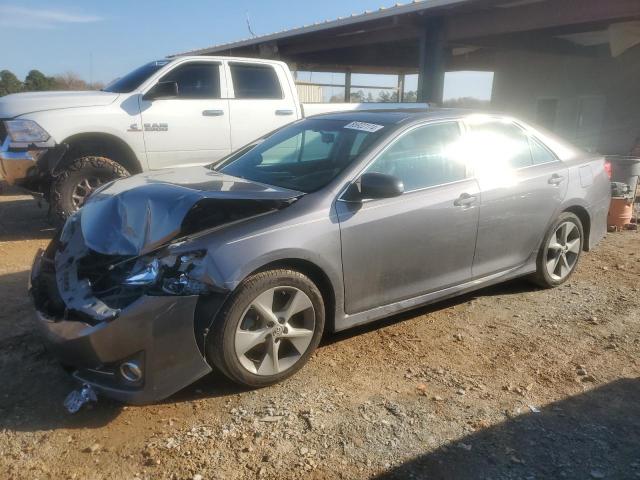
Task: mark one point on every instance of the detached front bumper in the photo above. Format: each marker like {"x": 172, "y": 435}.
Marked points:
{"x": 155, "y": 333}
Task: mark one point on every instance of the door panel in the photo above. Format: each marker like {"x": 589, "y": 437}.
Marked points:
{"x": 260, "y": 103}
{"x": 399, "y": 248}
{"x": 514, "y": 219}
{"x": 522, "y": 185}
{"x": 192, "y": 129}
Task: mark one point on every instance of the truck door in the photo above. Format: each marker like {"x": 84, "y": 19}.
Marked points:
{"x": 192, "y": 128}
{"x": 262, "y": 100}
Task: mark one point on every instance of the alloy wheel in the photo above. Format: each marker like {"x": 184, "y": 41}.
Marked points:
{"x": 83, "y": 189}
{"x": 275, "y": 331}
{"x": 563, "y": 250}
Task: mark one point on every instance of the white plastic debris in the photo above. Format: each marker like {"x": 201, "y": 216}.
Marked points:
{"x": 534, "y": 409}
{"x": 77, "y": 398}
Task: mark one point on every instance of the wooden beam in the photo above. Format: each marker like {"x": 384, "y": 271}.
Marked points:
{"x": 539, "y": 16}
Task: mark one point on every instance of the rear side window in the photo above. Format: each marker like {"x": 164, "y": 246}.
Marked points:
{"x": 500, "y": 141}
{"x": 255, "y": 81}
{"x": 196, "y": 80}
{"x": 421, "y": 158}
{"x": 540, "y": 153}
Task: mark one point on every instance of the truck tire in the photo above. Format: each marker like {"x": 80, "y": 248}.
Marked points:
{"x": 75, "y": 182}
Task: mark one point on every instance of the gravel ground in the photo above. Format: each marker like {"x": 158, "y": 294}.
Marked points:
{"x": 509, "y": 382}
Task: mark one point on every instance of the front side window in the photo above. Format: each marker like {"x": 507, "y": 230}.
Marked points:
{"x": 421, "y": 158}
{"x": 196, "y": 80}
{"x": 255, "y": 81}
{"x": 303, "y": 156}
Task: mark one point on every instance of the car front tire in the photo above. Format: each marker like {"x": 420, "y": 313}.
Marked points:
{"x": 268, "y": 329}
{"x": 560, "y": 251}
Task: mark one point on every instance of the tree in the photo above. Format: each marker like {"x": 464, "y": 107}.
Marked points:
{"x": 70, "y": 81}
{"x": 9, "y": 83}
{"x": 36, "y": 81}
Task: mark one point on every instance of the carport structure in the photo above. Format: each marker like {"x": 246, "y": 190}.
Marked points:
{"x": 572, "y": 65}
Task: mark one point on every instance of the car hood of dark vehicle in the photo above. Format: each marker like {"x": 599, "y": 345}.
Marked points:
{"x": 136, "y": 215}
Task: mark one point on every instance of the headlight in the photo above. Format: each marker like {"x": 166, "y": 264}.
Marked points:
{"x": 26, "y": 131}
{"x": 168, "y": 275}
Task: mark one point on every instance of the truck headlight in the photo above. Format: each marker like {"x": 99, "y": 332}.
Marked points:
{"x": 168, "y": 275}
{"x": 26, "y": 131}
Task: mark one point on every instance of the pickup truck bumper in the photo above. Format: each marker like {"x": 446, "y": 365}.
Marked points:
{"x": 15, "y": 166}
{"x": 30, "y": 167}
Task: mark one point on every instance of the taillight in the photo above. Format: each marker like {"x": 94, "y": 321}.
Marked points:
{"x": 608, "y": 169}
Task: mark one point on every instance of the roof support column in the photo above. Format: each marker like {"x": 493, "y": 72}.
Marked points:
{"x": 347, "y": 86}
{"x": 433, "y": 55}
{"x": 400, "y": 87}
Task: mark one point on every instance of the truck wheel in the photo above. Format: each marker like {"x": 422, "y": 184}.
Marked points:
{"x": 78, "y": 179}
{"x": 269, "y": 328}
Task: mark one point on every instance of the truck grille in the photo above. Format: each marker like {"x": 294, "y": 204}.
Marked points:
{"x": 3, "y": 132}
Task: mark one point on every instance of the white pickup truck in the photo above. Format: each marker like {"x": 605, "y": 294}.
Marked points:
{"x": 168, "y": 113}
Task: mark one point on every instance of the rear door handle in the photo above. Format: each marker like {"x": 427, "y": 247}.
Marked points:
{"x": 555, "y": 179}
{"x": 213, "y": 113}
{"x": 284, "y": 112}
{"x": 464, "y": 200}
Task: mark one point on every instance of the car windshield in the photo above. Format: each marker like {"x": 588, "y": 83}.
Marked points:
{"x": 134, "y": 79}
{"x": 304, "y": 156}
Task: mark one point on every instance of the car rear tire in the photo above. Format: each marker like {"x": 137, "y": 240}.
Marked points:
{"x": 268, "y": 329}
{"x": 77, "y": 180}
{"x": 560, "y": 251}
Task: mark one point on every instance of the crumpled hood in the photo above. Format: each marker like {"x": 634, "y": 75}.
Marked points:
{"x": 135, "y": 215}
{"x": 29, "y": 102}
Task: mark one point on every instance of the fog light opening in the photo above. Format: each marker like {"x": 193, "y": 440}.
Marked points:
{"x": 131, "y": 372}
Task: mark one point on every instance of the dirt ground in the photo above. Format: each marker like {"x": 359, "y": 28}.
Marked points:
{"x": 509, "y": 382}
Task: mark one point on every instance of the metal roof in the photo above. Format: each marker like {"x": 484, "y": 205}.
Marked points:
{"x": 383, "y": 12}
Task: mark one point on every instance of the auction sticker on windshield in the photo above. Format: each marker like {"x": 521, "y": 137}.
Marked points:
{"x": 364, "y": 127}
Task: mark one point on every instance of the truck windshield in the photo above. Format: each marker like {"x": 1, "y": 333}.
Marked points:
{"x": 134, "y": 79}
{"x": 304, "y": 156}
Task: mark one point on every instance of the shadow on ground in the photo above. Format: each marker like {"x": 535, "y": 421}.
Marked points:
{"x": 21, "y": 219}
{"x": 592, "y": 435}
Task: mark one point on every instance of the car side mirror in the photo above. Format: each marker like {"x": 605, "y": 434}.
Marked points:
{"x": 162, "y": 91}
{"x": 375, "y": 185}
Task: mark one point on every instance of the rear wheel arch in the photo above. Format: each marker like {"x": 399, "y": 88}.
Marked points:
{"x": 583, "y": 215}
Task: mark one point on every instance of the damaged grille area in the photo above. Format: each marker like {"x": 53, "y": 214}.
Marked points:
{"x": 105, "y": 274}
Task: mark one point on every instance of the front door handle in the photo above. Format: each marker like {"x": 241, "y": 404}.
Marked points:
{"x": 284, "y": 112}
{"x": 213, "y": 113}
{"x": 465, "y": 200}
{"x": 555, "y": 179}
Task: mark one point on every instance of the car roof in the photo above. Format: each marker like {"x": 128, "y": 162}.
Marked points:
{"x": 392, "y": 117}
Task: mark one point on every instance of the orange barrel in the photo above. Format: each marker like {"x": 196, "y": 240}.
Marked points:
{"x": 620, "y": 212}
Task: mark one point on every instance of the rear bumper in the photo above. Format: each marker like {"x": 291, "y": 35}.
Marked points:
{"x": 157, "y": 333}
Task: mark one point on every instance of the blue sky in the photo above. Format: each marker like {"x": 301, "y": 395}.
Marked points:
{"x": 102, "y": 40}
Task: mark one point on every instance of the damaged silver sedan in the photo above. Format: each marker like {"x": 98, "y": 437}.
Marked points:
{"x": 330, "y": 222}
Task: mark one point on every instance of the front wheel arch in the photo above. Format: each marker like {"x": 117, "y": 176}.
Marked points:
{"x": 100, "y": 145}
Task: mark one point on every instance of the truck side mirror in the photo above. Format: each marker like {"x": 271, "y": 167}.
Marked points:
{"x": 162, "y": 91}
